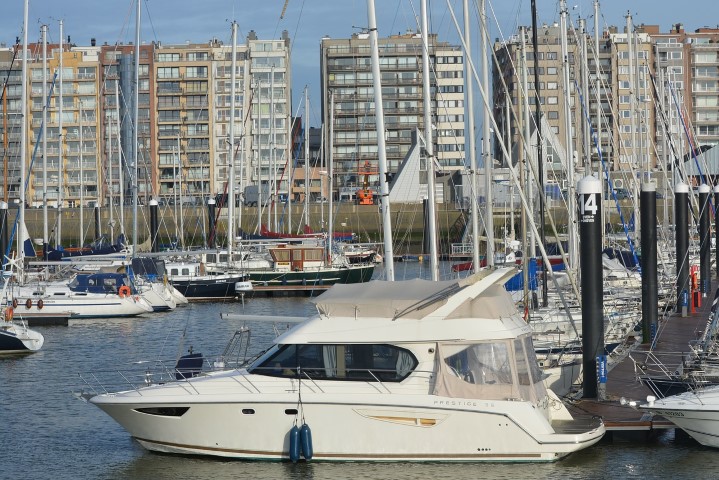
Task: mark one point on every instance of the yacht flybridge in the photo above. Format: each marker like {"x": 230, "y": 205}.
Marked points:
{"x": 385, "y": 371}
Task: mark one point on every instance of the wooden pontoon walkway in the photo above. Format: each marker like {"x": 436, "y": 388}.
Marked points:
{"x": 674, "y": 334}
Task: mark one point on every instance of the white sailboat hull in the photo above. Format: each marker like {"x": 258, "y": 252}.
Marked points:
{"x": 82, "y": 305}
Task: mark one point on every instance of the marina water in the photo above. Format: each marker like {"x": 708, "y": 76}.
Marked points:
{"x": 48, "y": 433}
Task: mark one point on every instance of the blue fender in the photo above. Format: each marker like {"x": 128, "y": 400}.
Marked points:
{"x": 306, "y": 441}
{"x": 295, "y": 444}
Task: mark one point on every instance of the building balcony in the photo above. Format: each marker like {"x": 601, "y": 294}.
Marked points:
{"x": 169, "y": 91}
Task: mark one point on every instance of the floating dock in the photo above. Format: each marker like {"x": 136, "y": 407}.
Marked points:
{"x": 622, "y": 387}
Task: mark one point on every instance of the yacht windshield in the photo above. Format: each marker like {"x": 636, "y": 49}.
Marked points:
{"x": 497, "y": 370}
{"x": 385, "y": 363}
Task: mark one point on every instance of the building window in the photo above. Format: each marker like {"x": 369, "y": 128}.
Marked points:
{"x": 168, "y": 72}
{"x": 168, "y": 57}
{"x": 196, "y": 56}
{"x": 196, "y": 72}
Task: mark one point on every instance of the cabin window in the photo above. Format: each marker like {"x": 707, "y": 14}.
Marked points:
{"x": 482, "y": 363}
{"x": 281, "y": 255}
{"x": 372, "y": 363}
{"x": 314, "y": 255}
{"x": 494, "y": 370}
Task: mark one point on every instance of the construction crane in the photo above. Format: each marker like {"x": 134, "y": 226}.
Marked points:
{"x": 365, "y": 195}
{"x": 284, "y": 9}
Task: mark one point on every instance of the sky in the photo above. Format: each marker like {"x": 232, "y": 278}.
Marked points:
{"x": 307, "y": 21}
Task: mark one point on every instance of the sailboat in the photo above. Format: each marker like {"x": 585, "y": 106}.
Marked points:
{"x": 15, "y": 335}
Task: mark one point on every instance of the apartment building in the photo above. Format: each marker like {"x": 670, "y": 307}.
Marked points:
{"x": 609, "y": 70}
{"x": 346, "y": 75}
{"x": 268, "y": 84}
{"x": 10, "y": 124}
{"x": 517, "y": 54}
{"x": 687, "y": 67}
{"x": 80, "y": 173}
{"x": 183, "y": 109}
{"x": 634, "y": 126}
{"x": 117, "y": 96}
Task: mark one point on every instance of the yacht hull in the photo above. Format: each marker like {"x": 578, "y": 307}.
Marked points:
{"x": 81, "y": 306}
{"x": 207, "y": 285}
{"x": 381, "y": 428}
{"x": 695, "y": 412}
{"x": 324, "y": 276}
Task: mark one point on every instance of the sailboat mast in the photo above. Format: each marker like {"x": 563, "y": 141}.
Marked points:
{"x": 258, "y": 88}
{"x": 231, "y": 166}
{"x": 182, "y": 203}
{"x": 135, "y": 115}
{"x": 120, "y": 169}
{"x": 528, "y": 243}
{"x": 82, "y": 187}
{"x": 44, "y": 143}
{"x": 469, "y": 135}
{"x": 330, "y": 161}
{"x": 381, "y": 147}
{"x": 108, "y": 161}
{"x": 486, "y": 153}
{"x": 23, "y": 139}
{"x": 585, "y": 93}
{"x": 429, "y": 147}
{"x": 635, "y": 163}
{"x": 273, "y": 150}
{"x": 60, "y": 148}
{"x": 569, "y": 165}
{"x": 307, "y": 156}
{"x": 538, "y": 127}
{"x": 598, "y": 122}
{"x": 508, "y": 133}
{"x": 270, "y": 176}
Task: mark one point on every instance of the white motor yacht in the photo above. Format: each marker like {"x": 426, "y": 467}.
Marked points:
{"x": 696, "y": 412}
{"x": 385, "y": 371}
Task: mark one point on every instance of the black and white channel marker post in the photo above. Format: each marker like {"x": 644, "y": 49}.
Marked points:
{"x": 590, "y": 259}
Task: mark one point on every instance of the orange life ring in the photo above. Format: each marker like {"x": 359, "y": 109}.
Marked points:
{"x": 40, "y": 304}
{"x": 9, "y": 313}
{"x": 124, "y": 291}
{"x": 28, "y": 303}
{"x": 14, "y": 303}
